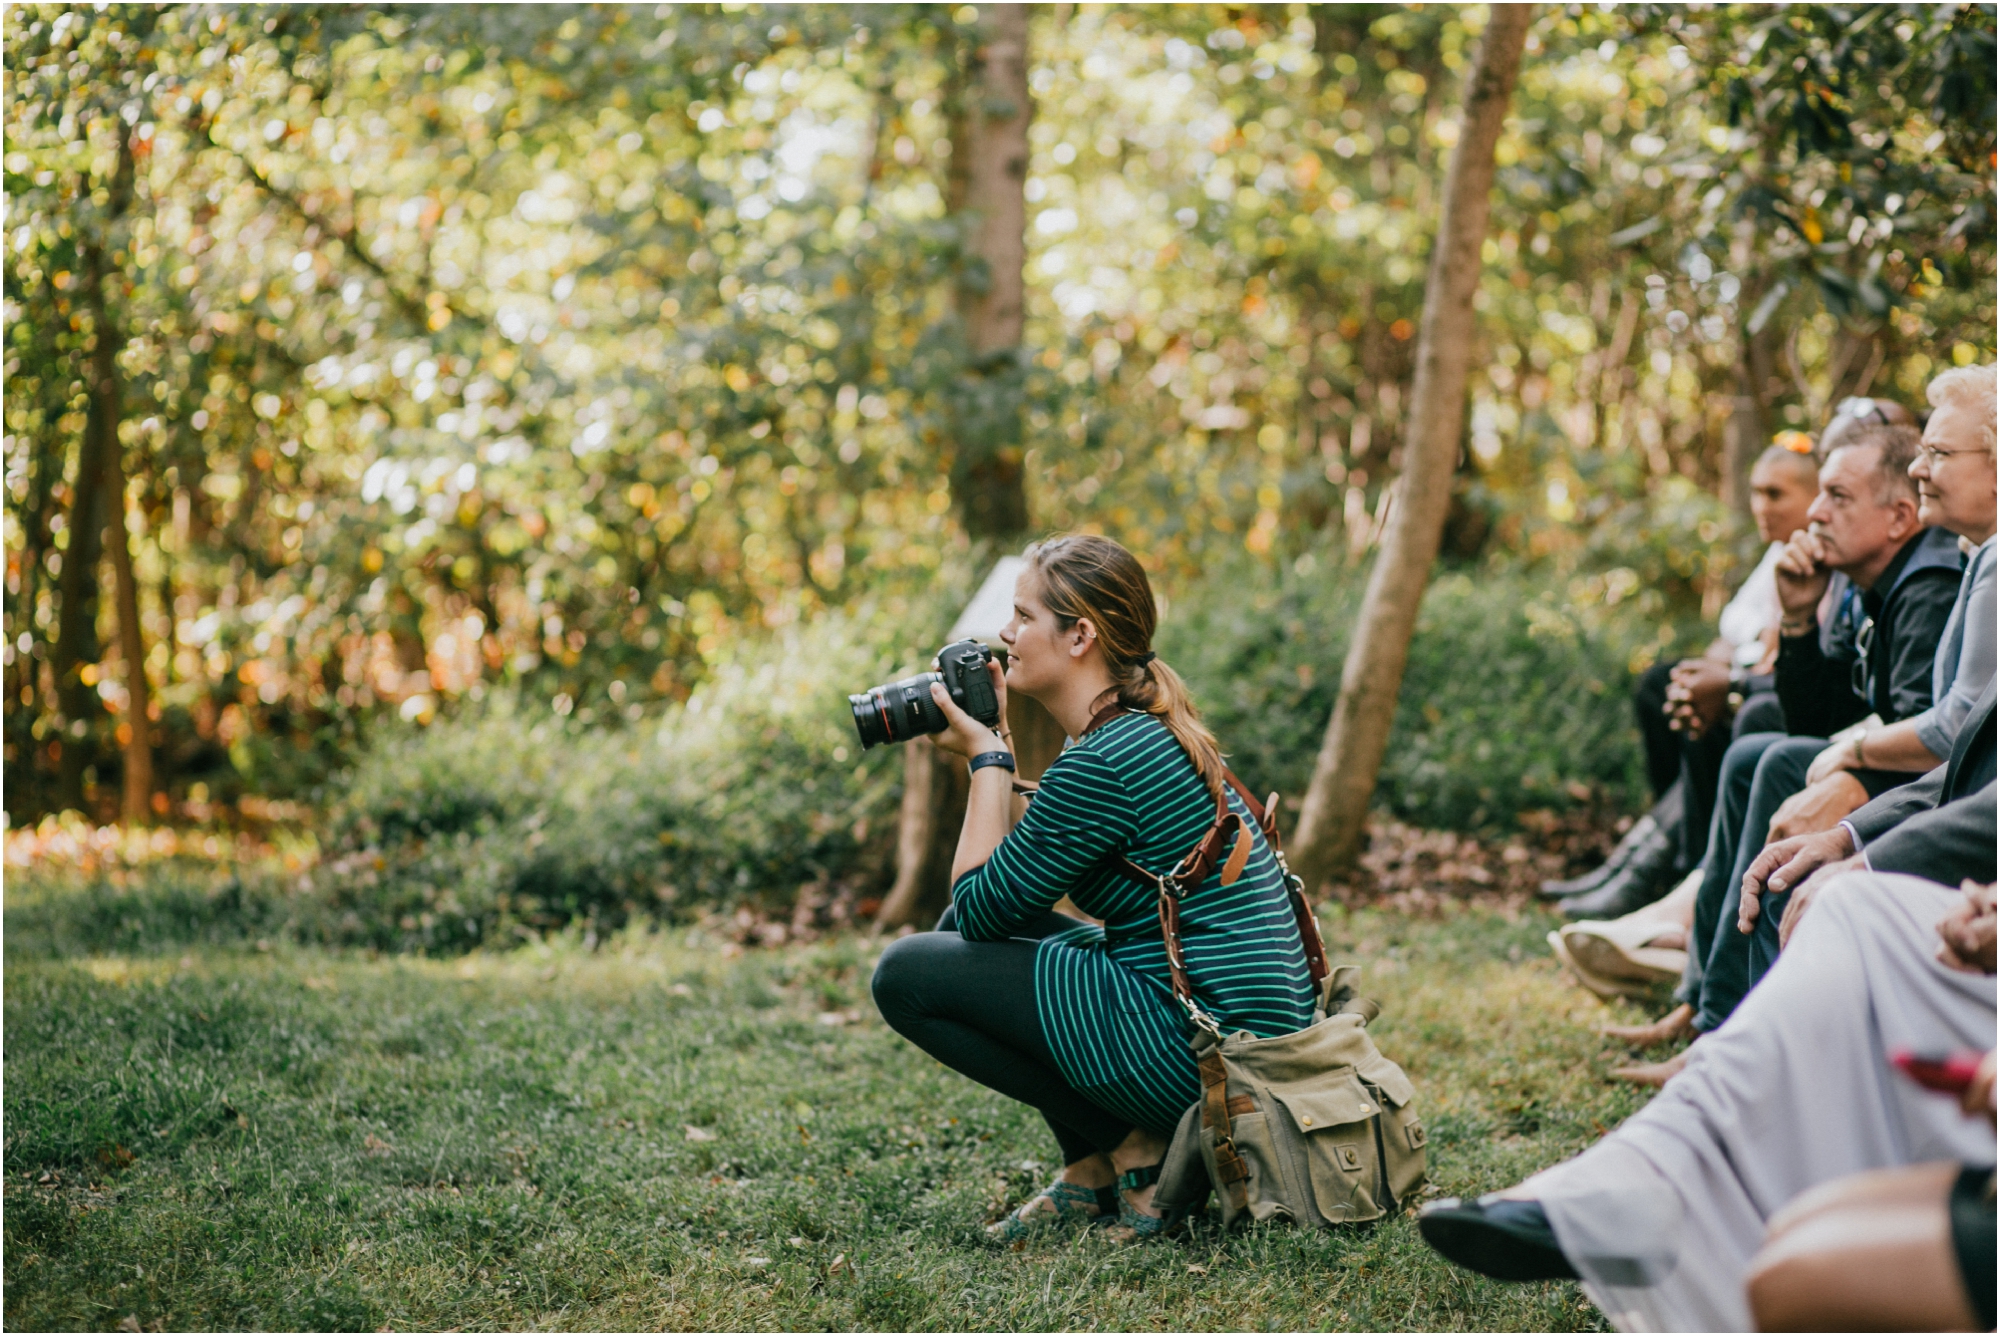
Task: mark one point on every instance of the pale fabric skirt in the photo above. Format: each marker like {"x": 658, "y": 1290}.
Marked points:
{"x": 1662, "y": 1217}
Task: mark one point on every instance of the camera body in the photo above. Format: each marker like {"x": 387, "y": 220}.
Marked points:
{"x": 903, "y": 710}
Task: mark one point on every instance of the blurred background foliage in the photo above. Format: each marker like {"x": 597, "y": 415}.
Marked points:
{"x": 521, "y": 424}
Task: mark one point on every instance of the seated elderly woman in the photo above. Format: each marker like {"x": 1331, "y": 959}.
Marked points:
{"x": 1661, "y": 1218}
{"x": 1078, "y": 1020}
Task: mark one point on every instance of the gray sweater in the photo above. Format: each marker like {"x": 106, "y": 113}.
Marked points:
{"x": 1964, "y": 663}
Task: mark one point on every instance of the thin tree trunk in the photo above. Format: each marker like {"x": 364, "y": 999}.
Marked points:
{"x": 1333, "y": 819}
{"x": 989, "y": 170}
{"x": 983, "y": 189}
{"x": 935, "y": 784}
{"x": 1748, "y": 429}
{"x": 136, "y": 804}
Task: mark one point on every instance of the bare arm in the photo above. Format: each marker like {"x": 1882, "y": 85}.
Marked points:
{"x": 1890, "y": 747}
{"x": 989, "y": 807}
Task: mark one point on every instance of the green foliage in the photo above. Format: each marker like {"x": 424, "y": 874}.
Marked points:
{"x": 510, "y": 816}
{"x": 500, "y": 1142}
{"x": 1515, "y": 698}
{"x": 556, "y": 350}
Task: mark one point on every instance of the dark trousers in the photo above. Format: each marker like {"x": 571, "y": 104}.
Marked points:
{"x": 1701, "y": 768}
{"x": 1759, "y": 771}
{"x": 971, "y": 1005}
{"x": 1663, "y": 744}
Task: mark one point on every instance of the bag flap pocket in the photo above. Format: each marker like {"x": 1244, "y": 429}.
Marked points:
{"x": 1387, "y": 1077}
{"x": 1332, "y": 1100}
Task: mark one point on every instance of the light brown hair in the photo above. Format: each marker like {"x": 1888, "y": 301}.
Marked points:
{"x": 1085, "y": 576}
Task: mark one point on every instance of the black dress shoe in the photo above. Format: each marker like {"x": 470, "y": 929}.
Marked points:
{"x": 1639, "y": 885}
{"x": 1640, "y": 835}
{"x": 1507, "y": 1240}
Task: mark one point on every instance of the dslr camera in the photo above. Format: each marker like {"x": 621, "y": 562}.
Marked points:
{"x": 904, "y": 710}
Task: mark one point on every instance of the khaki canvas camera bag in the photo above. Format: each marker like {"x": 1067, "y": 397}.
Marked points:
{"x": 1314, "y": 1127}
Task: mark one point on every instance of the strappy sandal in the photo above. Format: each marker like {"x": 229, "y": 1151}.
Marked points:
{"x": 1072, "y": 1208}
{"x": 1134, "y": 1224}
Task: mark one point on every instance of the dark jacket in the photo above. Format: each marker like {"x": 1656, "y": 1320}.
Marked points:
{"x": 1942, "y": 826}
{"x": 1901, "y": 621}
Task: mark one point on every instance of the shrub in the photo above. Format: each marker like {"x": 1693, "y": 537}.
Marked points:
{"x": 515, "y": 818}
{"x": 1516, "y": 696}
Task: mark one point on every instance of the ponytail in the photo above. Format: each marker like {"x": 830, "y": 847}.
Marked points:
{"x": 1083, "y": 575}
{"x": 1159, "y": 691}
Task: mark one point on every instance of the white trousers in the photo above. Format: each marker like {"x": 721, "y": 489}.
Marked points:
{"x": 1662, "y": 1217}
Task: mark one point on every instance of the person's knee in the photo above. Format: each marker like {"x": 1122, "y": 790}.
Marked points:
{"x": 1760, "y": 714}
{"x": 900, "y": 977}
{"x": 1739, "y": 762}
{"x": 1852, "y": 1261}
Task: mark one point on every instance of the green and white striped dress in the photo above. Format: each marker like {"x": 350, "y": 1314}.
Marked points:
{"x": 1106, "y": 1004}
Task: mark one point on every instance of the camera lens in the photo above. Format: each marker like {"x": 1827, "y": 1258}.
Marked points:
{"x": 870, "y": 719}
{"x": 897, "y": 712}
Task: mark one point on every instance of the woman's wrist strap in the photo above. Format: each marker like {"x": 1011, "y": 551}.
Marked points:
{"x": 984, "y": 759}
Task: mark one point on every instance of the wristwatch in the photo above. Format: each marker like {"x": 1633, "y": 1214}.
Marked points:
{"x": 984, "y": 759}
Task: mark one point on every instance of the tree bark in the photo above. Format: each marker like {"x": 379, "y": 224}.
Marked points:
{"x": 136, "y": 803}
{"x": 1749, "y": 424}
{"x": 989, "y": 170}
{"x": 77, "y": 645}
{"x": 1333, "y": 819}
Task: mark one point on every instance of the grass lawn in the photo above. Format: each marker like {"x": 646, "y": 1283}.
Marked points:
{"x": 668, "y": 1132}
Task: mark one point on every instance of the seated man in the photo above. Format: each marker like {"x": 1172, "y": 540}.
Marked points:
{"x": 1892, "y": 584}
{"x": 1661, "y": 1217}
{"x": 1683, "y": 707}
{"x": 1955, "y": 477}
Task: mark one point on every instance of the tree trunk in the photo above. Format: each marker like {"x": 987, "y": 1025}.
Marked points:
{"x": 136, "y": 803}
{"x": 1332, "y": 821}
{"x": 1749, "y": 427}
{"x": 934, "y": 792}
{"x": 989, "y": 169}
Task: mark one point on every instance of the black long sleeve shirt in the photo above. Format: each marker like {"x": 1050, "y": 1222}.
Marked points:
{"x": 1909, "y": 608}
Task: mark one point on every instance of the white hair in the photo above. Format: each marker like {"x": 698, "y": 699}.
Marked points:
{"x": 1971, "y": 390}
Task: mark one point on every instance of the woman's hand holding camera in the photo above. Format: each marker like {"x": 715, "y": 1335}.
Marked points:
{"x": 965, "y": 735}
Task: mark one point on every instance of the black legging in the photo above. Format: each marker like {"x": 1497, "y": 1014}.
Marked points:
{"x": 971, "y": 1005}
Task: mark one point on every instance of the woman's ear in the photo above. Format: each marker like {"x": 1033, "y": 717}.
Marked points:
{"x": 1081, "y": 636}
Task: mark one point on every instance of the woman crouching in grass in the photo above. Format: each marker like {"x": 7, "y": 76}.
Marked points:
{"x": 1077, "y": 1020}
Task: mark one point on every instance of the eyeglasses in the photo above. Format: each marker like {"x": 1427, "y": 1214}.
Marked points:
{"x": 1863, "y": 410}
{"x": 1932, "y": 454}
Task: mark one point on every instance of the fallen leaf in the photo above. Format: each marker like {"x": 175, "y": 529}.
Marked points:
{"x": 1197, "y": 1270}
{"x": 130, "y": 1322}
{"x": 699, "y": 1133}
{"x": 757, "y": 1261}
{"x": 376, "y": 1146}
{"x": 838, "y": 1265}
{"x": 796, "y": 1241}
